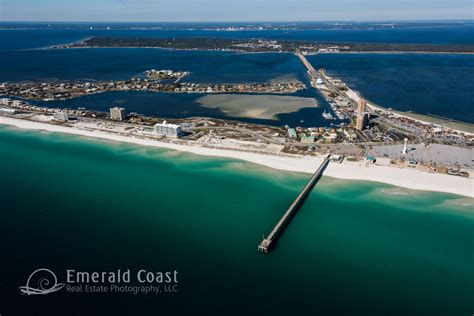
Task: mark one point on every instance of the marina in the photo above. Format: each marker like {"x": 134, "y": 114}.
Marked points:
{"x": 328, "y": 116}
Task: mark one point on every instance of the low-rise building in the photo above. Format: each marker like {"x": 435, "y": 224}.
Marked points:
{"x": 7, "y": 111}
{"x": 307, "y": 139}
{"x": 336, "y": 158}
{"x": 370, "y": 159}
{"x": 412, "y": 163}
{"x": 330, "y": 137}
{"x": 61, "y": 117}
{"x": 292, "y": 133}
{"x": 350, "y": 134}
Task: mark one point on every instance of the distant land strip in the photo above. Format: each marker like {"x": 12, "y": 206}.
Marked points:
{"x": 265, "y": 45}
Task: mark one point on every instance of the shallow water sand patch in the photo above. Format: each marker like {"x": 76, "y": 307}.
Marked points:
{"x": 255, "y": 106}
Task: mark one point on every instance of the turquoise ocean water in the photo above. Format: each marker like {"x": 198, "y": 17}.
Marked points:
{"x": 354, "y": 248}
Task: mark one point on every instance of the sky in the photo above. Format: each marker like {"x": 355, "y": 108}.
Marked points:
{"x": 231, "y": 10}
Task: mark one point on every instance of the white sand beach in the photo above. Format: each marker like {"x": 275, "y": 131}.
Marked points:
{"x": 402, "y": 177}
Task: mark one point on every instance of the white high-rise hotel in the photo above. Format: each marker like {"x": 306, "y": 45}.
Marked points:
{"x": 172, "y": 130}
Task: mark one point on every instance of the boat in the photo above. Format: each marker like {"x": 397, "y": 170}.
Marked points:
{"x": 328, "y": 116}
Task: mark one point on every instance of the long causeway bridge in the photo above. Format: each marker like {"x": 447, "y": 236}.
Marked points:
{"x": 312, "y": 72}
{"x": 294, "y": 207}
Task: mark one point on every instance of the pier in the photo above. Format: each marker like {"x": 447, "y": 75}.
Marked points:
{"x": 266, "y": 243}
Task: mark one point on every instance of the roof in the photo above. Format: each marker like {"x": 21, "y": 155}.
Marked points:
{"x": 167, "y": 125}
{"x": 292, "y": 132}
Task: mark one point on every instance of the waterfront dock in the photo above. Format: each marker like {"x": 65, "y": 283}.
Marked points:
{"x": 184, "y": 74}
{"x": 267, "y": 242}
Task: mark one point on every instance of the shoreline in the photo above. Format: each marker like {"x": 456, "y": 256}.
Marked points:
{"x": 401, "y": 177}
{"x": 53, "y": 47}
{"x": 390, "y": 52}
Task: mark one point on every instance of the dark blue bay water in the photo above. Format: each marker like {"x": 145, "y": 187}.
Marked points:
{"x": 124, "y": 63}
{"x": 114, "y": 64}
{"x": 423, "y": 83}
{"x": 169, "y": 105}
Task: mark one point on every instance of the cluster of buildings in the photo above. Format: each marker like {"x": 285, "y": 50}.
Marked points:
{"x": 164, "y": 128}
{"x": 61, "y": 91}
{"x": 289, "y": 87}
{"x": 331, "y": 135}
{"x": 165, "y": 74}
{"x": 384, "y": 125}
{"x": 11, "y": 105}
{"x": 321, "y": 49}
{"x": 411, "y": 125}
{"x": 261, "y": 44}
{"x": 313, "y": 134}
{"x": 20, "y": 105}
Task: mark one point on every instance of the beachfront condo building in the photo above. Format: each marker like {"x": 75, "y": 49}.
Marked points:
{"x": 362, "y": 121}
{"x": 61, "y": 117}
{"x": 171, "y": 130}
{"x": 118, "y": 114}
{"x": 361, "y": 106}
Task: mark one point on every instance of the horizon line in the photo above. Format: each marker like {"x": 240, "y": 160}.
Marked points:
{"x": 248, "y": 21}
